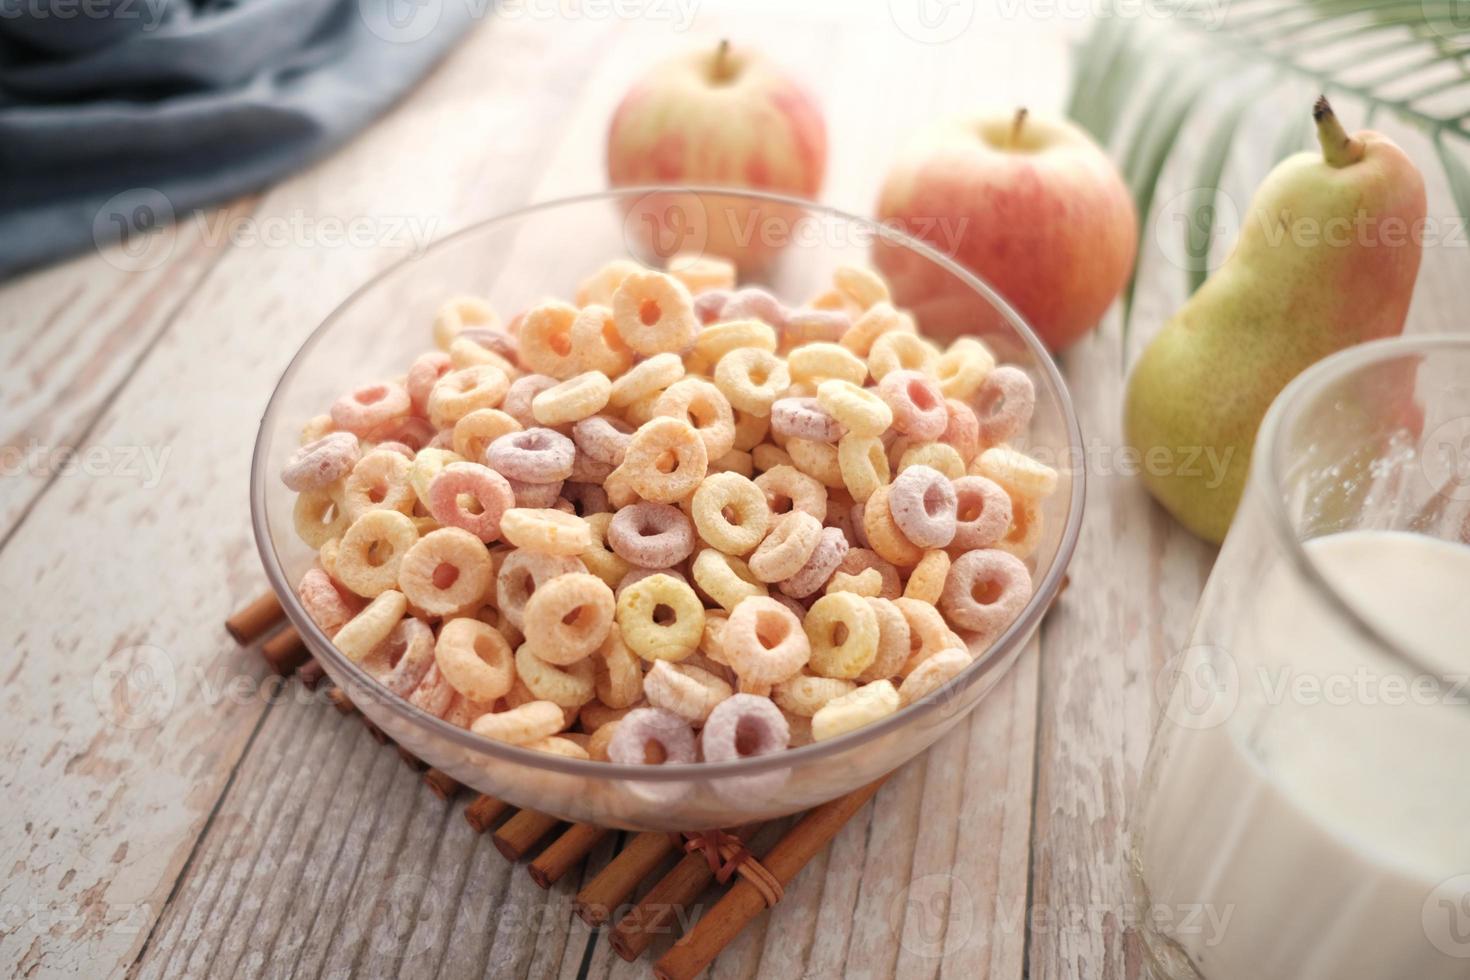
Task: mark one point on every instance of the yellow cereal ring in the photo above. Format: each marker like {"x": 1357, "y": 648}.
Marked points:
{"x": 818, "y": 460}
{"x": 316, "y": 427}
{"x": 601, "y": 560}
{"x": 568, "y": 618}
{"x": 475, "y": 659}
{"x": 446, "y": 572}
{"x": 562, "y": 745}
{"x": 926, "y": 581}
{"x": 863, "y": 287}
{"x": 881, "y": 318}
{"x": 935, "y": 455}
{"x": 599, "y": 287}
{"x": 598, "y": 742}
{"x": 660, "y": 618}
{"x": 731, "y": 513}
{"x": 459, "y": 313}
{"x": 860, "y": 410}
{"x": 1025, "y": 530}
{"x": 473, "y": 434}
{"x": 379, "y": 480}
{"x": 618, "y": 672}
{"x": 646, "y": 379}
{"x": 701, "y": 272}
{"x": 546, "y": 340}
{"x": 466, "y": 353}
{"x": 768, "y": 456}
{"x": 428, "y": 463}
{"x": 843, "y": 632}
{"x": 573, "y": 400}
{"x": 867, "y": 704}
{"x": 963, "y": 368}
{"x": 666, "y": 460}
{"x": 825, "y": 361}
{"x": 735, "y": 461}
{"x": 883, "y": 534}
{"x": 718, "y": 339}
{"x": 370, "y": 627}
{"x": 868, "y": 583}
{"x": 933, "y": 674}
{"x": 522, "y": 725}
{"x": 459, "y": 393}
{"x": 751, "y": 379}
{"x": 569, "y": 687}
{"x": 928, "y": 632}
{"x": 545, "y": 531}
{"x": 685, "y": 690}
{"x": 806, "y": 694}
{"x": 318, "y": 518}
{"x": 1022, "y": 476}
{"x": 372, "y": 549}
{"x": 787, "y": 488}
{"x": 750, "y": 430}
{"x": 864, "y": 465}
{"x": 596, "y": 343}
{"x": 725, "y": 578}
{"x": 654, "y": 313}
{"x": 900, "y": 351}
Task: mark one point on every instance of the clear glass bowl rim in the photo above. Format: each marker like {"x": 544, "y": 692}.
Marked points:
{"x": 1040, "y": 602}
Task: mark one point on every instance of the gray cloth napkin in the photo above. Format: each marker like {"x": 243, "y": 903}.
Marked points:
{"x": 116, "y": 115}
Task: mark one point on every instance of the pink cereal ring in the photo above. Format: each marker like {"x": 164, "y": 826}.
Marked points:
{"x": 324, "y": 602}
{"x": 825, "y": 557}
{"x": 917, "y": 403}
{"x": 321, "y": 463}
{"x": 424, "y": 372}
{"x": 651, "y": 737}
{"x": 488, "y": 488}
{"x": 535, "y": 495}
{"x": 651, "y": 535}
{"x": 412, "y": 431}
{"x": 518, "y": 397}
{"x": 752, "y": 303}
{"x": 803, "y": 418}
{"x": 962, "y": 429}
{"x": 403, "y": 658}
{"x": 603, "y": 438}
{"x": 1004, "y": 404}
{"x": 433, "y": 693}
{"x": 743, "y": 726}
{"x": 983, "y": 512}
{"x": 985, "y": 592}
{"x": 535, "y": 455}
{"x": 709, "y": 304}
{"x": 361, "y": 409}
{"x": 923, "y": 503}
{"x": 807, "y": 326}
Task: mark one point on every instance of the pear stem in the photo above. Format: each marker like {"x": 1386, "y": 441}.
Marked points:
{"x": 1338, "y": 148}
{"x": 1016, "y": 125}
{"x": 721, "y": 69}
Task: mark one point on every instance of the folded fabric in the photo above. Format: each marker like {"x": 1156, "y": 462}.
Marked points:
{"x": 118, "y": 114}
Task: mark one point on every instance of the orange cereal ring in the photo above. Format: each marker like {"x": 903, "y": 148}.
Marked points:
{"x": 1022, "y": 476}
{"x": 863, "y": 287}
{"x": 791, "y": 541}
{"x": 446, "y": 572}
{"x": 893, "y": 642}
{"x": 326, "y": 606}
{"x": 379, "y": 480}
{"x": 568, "y": 618}
{"x": 764, "y": 643}
{"x": 928, "y": 632}
{"x": 570, "y": 687}
{"x": 750, "y": 430}
{"x": 371, "y": 626}
{"x": 646, "y": 379}
{"x": 879, "y": 319}
{"x": 546, "y": 340}
{"x": 458, "y": 314}
{"x": 619, "y": 673}
{"x": 702, "y": 272}
{"x": 596, "y": 343}
{"x": 520, "y": 574}
{"x": 724, "y": 578}
{"x": 599, "y": 287}
{"x": 666, "y": 460}
{"x": 545, "y": 531}
{"x": 926, "y": 581}
{"x": 654, "y": 313}
{"x": 883, "y": 534}
{"x": 703, "y": 406}
{"x": 963, "y": 368}
{"x": 1025, "y": 530}
{"x": 475, "y": 659}
{"x": 864, "y": 465}
{"x": 525, "y": 724}
{"x": 933, "y": 674}
{"x": 474, "y": 433}
{"x": 787, "y": 488}
{"x": 372, "y": 549}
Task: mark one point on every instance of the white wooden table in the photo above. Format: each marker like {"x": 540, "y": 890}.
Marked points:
{"x": 219, "y": 832}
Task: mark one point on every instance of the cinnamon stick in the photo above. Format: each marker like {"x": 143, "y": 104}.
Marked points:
{"x": 674, "y": 891}
{"x": 716, "y": 928}
{"x": 445, "y": 786}
{"x": 565, "y": 853}
{"x": 341, "y": 701}
{"x": 520, "y": 833}
{"x": 483, "y": 812}
{"x": 613, "y": 884}
{"x": 412, "y": 761}
{"x": 285, "y": 652}
{"x": 379, "y": 736}
{"x": 254, "y": 620}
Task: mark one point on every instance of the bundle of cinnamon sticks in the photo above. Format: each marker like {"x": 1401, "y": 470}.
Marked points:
{"x": 520, "y": 832}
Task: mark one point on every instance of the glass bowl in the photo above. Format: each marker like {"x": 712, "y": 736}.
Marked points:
{"x": 543, "y": 251}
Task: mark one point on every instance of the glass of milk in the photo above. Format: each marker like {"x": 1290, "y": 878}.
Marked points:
{"x": 1305, "y": 810}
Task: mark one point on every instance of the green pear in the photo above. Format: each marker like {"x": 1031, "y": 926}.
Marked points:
{"x": 1326, "y": 258}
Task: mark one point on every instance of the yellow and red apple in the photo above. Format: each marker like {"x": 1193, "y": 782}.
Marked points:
{"x": 1029, "y": 204}
{"x": 724, "y": 117}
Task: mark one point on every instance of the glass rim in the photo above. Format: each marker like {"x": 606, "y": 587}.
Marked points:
{"x": 1266, "y": 477}
{"x": 1004, "y": 645}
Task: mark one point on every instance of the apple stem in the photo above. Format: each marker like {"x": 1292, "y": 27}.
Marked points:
{"x": 1016, "y": 125}
{"x": 1338, "y": 148}
{"x": 722, "y": 55}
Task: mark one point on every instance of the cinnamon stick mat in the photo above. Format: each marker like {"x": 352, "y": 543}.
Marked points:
{"x": 635, "y": 896}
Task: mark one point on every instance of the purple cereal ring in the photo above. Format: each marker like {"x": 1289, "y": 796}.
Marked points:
{"x": 639, "y": 574}
{"x": 1004, "y": 404}
{"x": 709, "y": 304}
{"x": 923, "y": 503}
{"x": 586, "y": 498}
{"x": 826, "y": 556}
{"x": 743, "y": 726}
{"x": 534, "y": 455}
{"x": 603, "y": 438}
{"x": 752, "y": 303}
{"x": 651, "y": 535}
{"x": 651, "y": 737}
{"x": 803, "y": 418}
{"x": 321, "y": 463}
{"x": 917, "y": 403}
{"x": 535, "y": 495}
{"x": 489, "y": 489}
{"x": 985, "y": 591}
{"x": 412, "y": 431}
{"x": 983, "y": 512}
{"x": 426, "y": 369}
{"x": 494, "y": 340}
{"x": 808, "y": 326}
{"x": 517, "y": 401}
{"x": 361, "y": 409}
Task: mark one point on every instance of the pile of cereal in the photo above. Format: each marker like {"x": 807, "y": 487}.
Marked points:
{"x": 676, "y": 521}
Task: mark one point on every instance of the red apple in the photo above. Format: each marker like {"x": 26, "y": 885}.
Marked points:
{"x": 724, "y": 117}
{"x": 1029, "y": 204}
